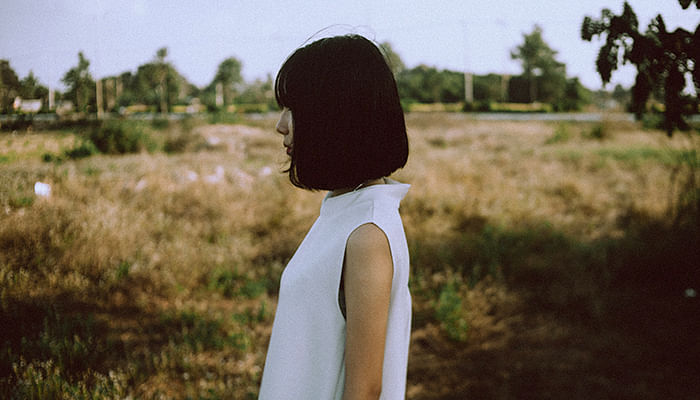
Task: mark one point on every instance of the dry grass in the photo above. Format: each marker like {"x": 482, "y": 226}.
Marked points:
{"x": 155, "y": 275}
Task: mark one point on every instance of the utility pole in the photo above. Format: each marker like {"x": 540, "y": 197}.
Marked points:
{"x": 505, "y": 80}
{"x": 468, "y": 87}
{"x": 98, "y": 98}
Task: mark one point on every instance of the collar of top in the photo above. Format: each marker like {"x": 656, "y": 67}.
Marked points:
{"x": 391, "y": 191}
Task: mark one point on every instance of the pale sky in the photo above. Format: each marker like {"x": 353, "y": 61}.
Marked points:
{"x": 118, "y": 36}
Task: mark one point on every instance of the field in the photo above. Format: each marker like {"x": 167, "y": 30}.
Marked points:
{"x": 549, "y": 260}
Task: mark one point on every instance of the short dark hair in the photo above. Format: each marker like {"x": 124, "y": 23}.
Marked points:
{"x": 348, "y": 123}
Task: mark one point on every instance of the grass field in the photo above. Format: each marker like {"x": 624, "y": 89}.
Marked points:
{"x": 549, "y": 260}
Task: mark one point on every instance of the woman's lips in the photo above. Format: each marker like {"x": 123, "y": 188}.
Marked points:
{"x": 289, "y": 150}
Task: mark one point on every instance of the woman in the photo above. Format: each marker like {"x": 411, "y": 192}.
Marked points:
{"x": 342, "y": 324}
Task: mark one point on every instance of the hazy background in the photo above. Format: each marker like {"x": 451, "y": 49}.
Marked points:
{"x": 476, "y": 36}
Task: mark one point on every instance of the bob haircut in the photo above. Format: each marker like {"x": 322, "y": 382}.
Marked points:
{"x": 348, "y": 123}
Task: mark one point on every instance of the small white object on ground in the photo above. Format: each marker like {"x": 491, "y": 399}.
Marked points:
{"x": 217, "y": 177}
{"x": 42, "y": 189}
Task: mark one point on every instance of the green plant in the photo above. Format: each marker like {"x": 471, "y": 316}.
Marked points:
{"x": 450, "y": 313}
{"x": 599, "y": 132}
{"x": 561, "y": 135}
{"x": 199, "y": 333}
{"x": 123, "y": 270}
{"x": 86, "y": 148}
{"x": 160, "y": 123}
{"x": 120, "y": 137}
{"x": 224, "y": 280}
{"x": 223, "y": 117}
{"x": 44, "y": 380}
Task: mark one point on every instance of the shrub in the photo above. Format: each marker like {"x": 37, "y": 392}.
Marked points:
{"x": 160, "y": 123}
{"x": 561, "y": 135}
{"x": 44, "y": 380}
{"x": 120, "y": 137}
{"x": 85, "y": 149}
{"x": 599, "y": 132}
{"x": 449, "y": 311}
{"x": 223, "y": 117}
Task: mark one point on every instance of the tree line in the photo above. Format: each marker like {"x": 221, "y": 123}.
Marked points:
{"x": 158, "y": 86}
{"x": 663, "y": 60}
{"x": 153, "y": 86}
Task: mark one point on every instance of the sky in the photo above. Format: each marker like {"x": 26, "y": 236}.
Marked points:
{"x": 461, "y": 35}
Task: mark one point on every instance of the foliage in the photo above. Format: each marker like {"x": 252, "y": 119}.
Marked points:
{"x": 157, "y": 83}
{"x": 120, "y": 137}
{"x": 424, "y": 84}
{"x": 225, "y": 87}
{"x": 30, "y": 88}
{"x": 489, "y": 88}
{"x": 44, "y": 380}
{"x": 561, "y": 135}
{"x": 449, "y": 312}
{"x": 392, "y": 58}
{"x": 546, "y": 77}
{"x": 81, "y": 86}
{"x": 258, "y": 92}
{"x": 9, "y": 86}
{"x": 574, "y": 98}
{"x": 85, "y": 149}
{"x": 663, "y": 60}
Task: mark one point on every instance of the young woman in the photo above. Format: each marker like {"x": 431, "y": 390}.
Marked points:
{"x": 342, "y": 325}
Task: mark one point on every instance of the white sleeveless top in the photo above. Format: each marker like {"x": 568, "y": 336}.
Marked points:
{"x": 306, "y": 355}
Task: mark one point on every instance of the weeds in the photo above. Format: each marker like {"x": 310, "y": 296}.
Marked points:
{"x": 561, "y": 135}
{"x": 138, "y": 277}
{"x": 600, "y": 131}
{"x": 120, "y": 137}
{"x": 44, "y": 380}
{"x": 450, "y": 313}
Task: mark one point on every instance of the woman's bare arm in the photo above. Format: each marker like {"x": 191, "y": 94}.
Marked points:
{"x": 367, "y": 276}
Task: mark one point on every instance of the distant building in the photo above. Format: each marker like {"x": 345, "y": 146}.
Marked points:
{"x": 27, "y": 106}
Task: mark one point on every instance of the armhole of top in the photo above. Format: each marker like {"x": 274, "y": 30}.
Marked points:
{"x": 341, "y": 290}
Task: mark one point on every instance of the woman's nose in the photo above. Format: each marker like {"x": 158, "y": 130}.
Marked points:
{"x": 282, "y": 126}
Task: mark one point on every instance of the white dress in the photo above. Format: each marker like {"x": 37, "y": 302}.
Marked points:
{"x": 305, "y": 358}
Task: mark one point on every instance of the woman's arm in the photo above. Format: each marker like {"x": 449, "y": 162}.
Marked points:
{"x": 367, "y": 276}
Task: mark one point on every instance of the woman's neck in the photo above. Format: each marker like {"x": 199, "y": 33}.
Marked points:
{"x": 370, "y": 182}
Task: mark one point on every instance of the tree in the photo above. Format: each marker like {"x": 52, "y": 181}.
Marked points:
{"x": 162, "y": 78}
{"x": 9, "y": 86}
{"x": 259, "y": 92}
{"x": 488, "y": 88}
{"x": 81, "y": 86}
{"x": 426, "y": 84}
{"x": 228, "y": 76}
{"x": 574, "y": 97}
{"x": 546, "y": 77}
{"x": 663, "y": 60}
{"x": 392, "y": 58}
{"x": 31, "y": 88}
{"x": 156, "y": 84}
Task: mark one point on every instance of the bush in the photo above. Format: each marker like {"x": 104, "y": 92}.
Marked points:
{"x": 223, "y": 117}
{"x": 652, "y": 121}
{"x": 599, "y": 132}
{"x": 561, "y": 135}
{"x": 450, "y": 312}
{"x": 84, "y": 149}
{"x": 120, "y": 137}
{"x": 44, "y": 380}
{"x": 160, "y": 123}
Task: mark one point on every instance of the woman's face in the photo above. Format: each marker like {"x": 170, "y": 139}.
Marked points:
{"x": 285, "y": 127}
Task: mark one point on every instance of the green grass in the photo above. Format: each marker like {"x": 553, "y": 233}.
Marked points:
{"x": 647, "y": 154}
{"x": 561, "y": 135}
